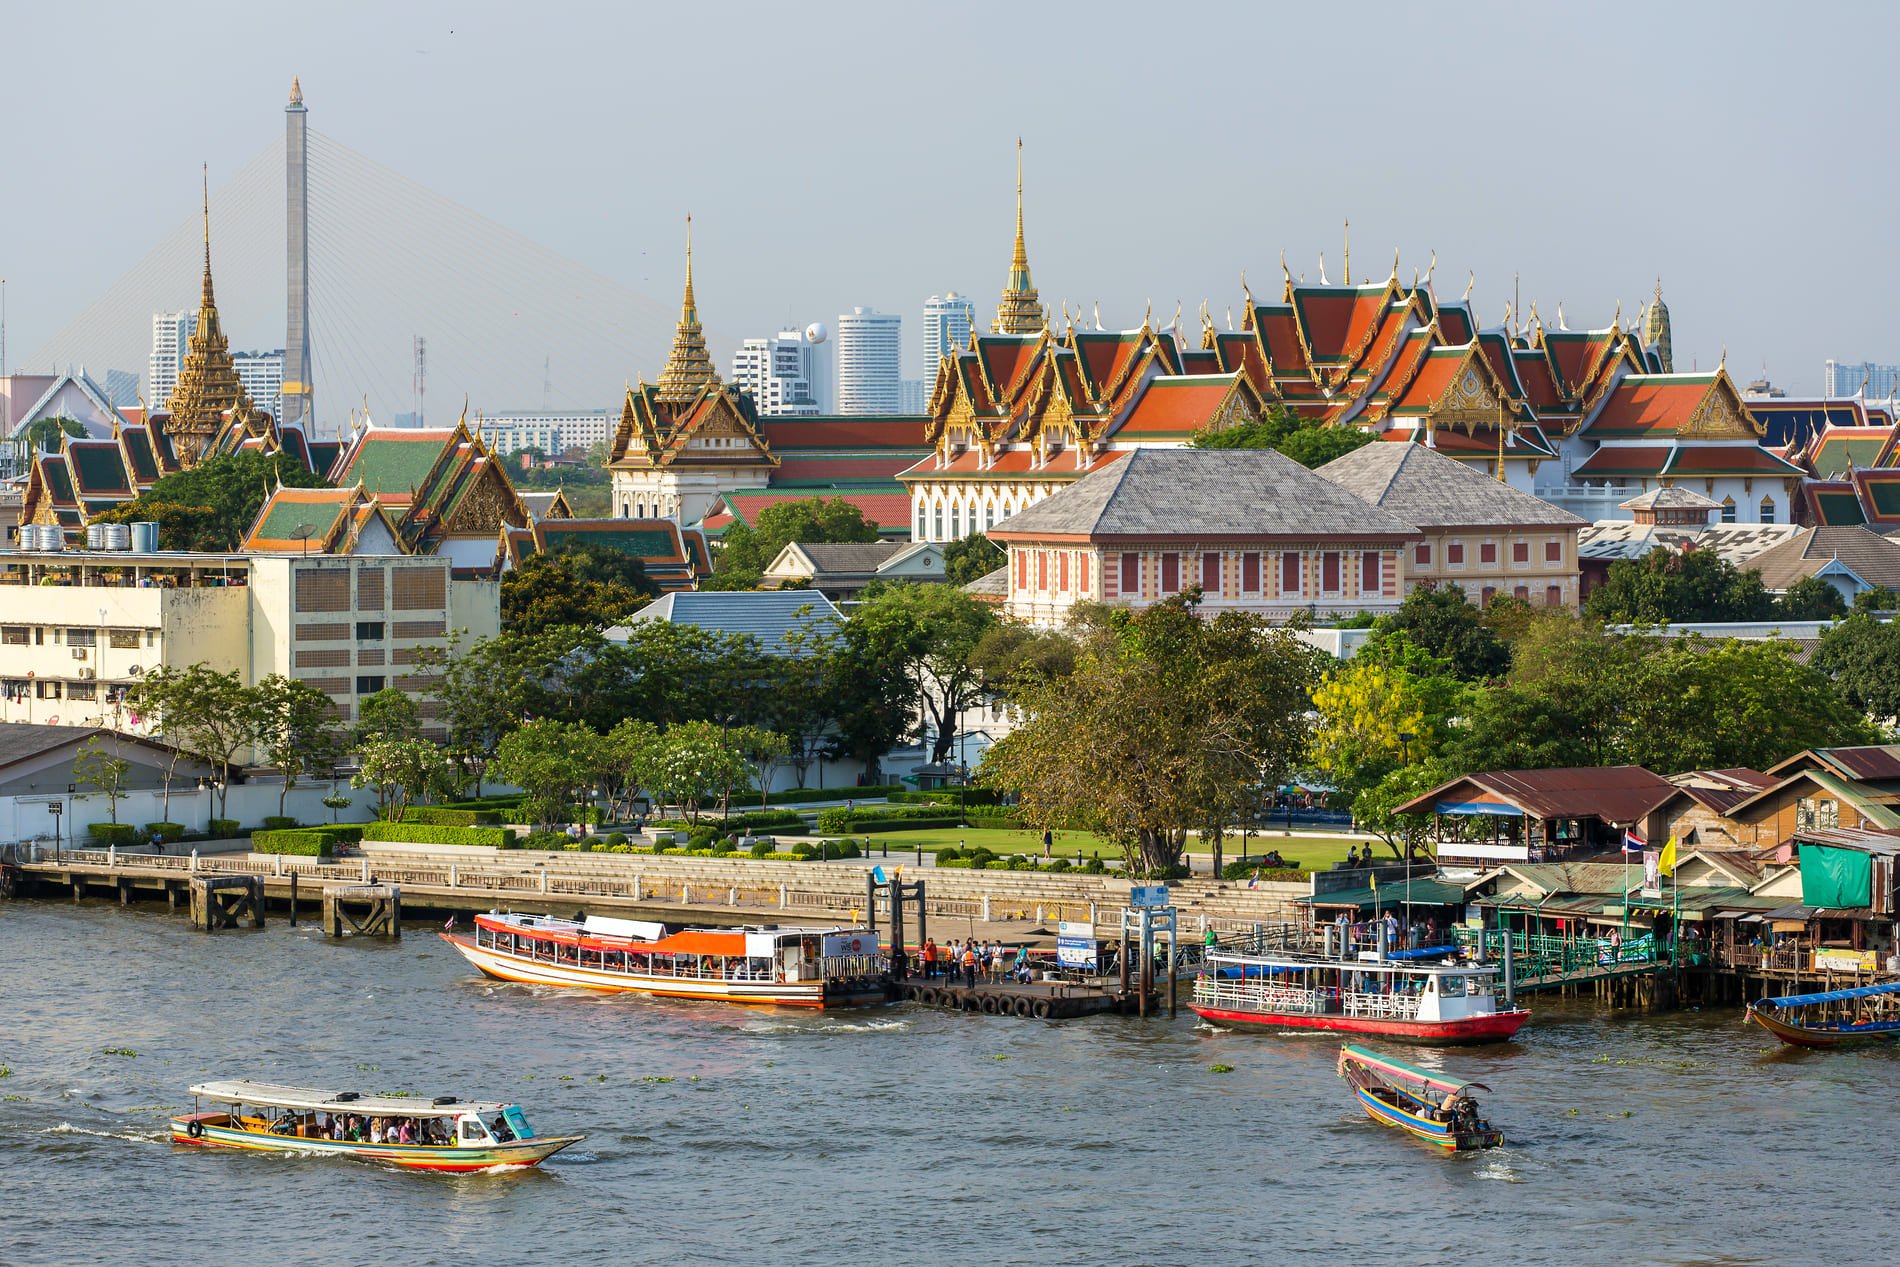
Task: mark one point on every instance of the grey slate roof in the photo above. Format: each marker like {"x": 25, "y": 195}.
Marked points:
{"x": 1670, "y": 498}
{"x": 849, "y": 556}
{"x": 764, "y": 614}
{"x": 20, "y": 741}
{"x": 1422, "y": 486}
{"x": 1871, "y": 557}
{"x": 1209, "y": 492}
{"x": 990, "y": 584}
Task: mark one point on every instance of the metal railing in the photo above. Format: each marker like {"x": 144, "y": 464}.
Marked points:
{"x": 1540, "y": 957}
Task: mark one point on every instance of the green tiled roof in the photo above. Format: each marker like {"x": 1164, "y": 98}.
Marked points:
{"x": 100, "y": 467}
{"x": 392, "y": 464}
{"x": 640, "y": 542}
{"x": 144, "y": 465}
{"x": 1839, "y": 508}
{"x": 282, "y": 521}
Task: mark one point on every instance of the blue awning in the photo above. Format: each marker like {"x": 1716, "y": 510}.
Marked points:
{"x": 1832, "y": 996}
{"x": 1478, "y": 807}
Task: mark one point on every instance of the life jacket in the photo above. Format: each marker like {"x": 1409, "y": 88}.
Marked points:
{"x": 969, "y": 959}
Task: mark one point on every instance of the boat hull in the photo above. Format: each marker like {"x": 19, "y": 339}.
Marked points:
{"x": 447, "y": 1160}
{"x": 1819, "y": 1037}
{"x": 1437, "y": 1134}
{"x": 529, "y": 971}
{"x": 1495, "y": 1027}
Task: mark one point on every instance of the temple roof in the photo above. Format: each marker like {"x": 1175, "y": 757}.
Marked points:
{"x": 1873, "y": 559}
{"x": 1020, "y": 310}
{"x": 689, "y": 368}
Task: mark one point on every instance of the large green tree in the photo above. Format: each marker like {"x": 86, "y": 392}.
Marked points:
{"x": 576, "y": 585}
{"x": 971, "y": 558}
{"x": 1667, "y": 586}
{"x": 936, "y": 629}
{"x": 213, "y": 505}
{"x": 1307, "y": 442}
{"x": 746, "y": 551}
{"x": 202, "y": 711}
{"x": 1170, "y": 723}
{"x": 1810, "y": 598}
{"x": 296, "y": 731}
{"x": 1442, "y": 623}
{"x": 1863, "y": 656}
{"x": 548, "y": 760}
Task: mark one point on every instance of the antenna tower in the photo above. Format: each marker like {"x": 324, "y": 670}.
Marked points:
{"x": 421, "y": 376}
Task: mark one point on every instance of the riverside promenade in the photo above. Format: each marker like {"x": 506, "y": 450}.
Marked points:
{"x": 705, "y": 891}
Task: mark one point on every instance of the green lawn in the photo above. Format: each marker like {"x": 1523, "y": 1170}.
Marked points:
{"x": 1314, "y": 852}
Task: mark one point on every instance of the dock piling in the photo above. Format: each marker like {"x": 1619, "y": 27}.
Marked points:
{"x": 223, "y": 901}
{"x": 381, "y": 906}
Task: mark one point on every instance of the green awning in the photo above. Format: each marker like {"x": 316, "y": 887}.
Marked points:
{"x": 1388, "y": 896}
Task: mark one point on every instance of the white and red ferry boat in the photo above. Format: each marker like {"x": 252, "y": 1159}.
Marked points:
{"x": 786, "y": 967}
{"x": 1425, "y": 1002}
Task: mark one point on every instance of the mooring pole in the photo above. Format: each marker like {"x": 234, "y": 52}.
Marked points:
{"x": 1174, "y": 938}
{"x": 293, "y": 899}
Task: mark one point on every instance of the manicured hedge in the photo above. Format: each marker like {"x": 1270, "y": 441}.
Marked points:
{"x": 113, "y": 833}
{"x": 803, "y": 795}
{"x": 429, "y": 834}
{"x": 222, "y": 827}
{"x": 170, "y": 831}
{"x": 948, "y": 796}
{"x": 789, "y": 819}
{"x": 840, "y": 820}
{"x": 443, "y": 816}
{"x": 277, "y": 822}
{"x": 303, "y": 842}
{"x": 865, "y": 823}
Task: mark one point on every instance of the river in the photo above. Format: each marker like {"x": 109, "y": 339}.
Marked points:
{"x": 893, "y": 1135}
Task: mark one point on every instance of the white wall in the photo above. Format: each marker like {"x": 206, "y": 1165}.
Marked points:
{"x": 27, "y": 818}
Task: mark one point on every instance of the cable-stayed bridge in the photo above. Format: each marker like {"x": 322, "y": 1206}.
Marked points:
{"x": 509, "y": 323}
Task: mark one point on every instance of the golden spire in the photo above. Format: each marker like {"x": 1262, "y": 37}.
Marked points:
{"x": 1348, "y": 265}
{"x": 689, "y": 368}
{"x": 208, "y": 387}
{"x": 296, "y": 92}
{"x": 1019, "y": 311}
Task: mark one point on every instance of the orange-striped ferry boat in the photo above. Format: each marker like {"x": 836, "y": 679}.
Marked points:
{"x": 782, "y": 967}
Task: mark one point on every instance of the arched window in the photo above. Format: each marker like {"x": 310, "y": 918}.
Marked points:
{"x": 1728, "y": 510}
{"x": 922, "y": 527}
{"x": 1768, "y": 510}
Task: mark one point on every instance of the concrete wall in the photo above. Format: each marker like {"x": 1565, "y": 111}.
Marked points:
{"x": 27, "y": 818}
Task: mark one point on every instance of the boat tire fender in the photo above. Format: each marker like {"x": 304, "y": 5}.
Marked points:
{"x": 1044, "y": 1009}
{"x": 987, "y": 1004}
{"x": 195, "y": 1129}
{"x": 1023, "y": 1006}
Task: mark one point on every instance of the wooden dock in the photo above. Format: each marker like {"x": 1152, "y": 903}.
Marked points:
{"x": 1042, "y": 1000}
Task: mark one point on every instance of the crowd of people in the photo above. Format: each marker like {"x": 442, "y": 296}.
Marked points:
{"x": 1399, "y": 935}
{"x": 972, "y": 961}
{"x": 358, "y": 1129}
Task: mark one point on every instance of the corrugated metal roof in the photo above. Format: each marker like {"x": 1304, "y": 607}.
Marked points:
{"x": 1849, "y": 838}
{"x": 1615, "y": 794}
{"x": 767, "y": 615}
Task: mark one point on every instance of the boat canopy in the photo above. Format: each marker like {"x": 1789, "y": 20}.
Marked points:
{"x": 274, "y": 1095}
{"x": 1831, "y": 996}
{"x": 1402, "y": 1072}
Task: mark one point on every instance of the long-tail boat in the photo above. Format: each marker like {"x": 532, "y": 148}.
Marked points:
{"x": 442, "y": 1134}
{"x": 789, "y": 967}
{"x": 1833, "y": 1017}
{"x": 1424, "y": 1105}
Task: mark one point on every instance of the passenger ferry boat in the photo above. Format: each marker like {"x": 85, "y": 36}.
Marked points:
{"x": 1440, "y": 1111}
{"x": 1411, "y": 999}
{"x": 787, "y": 967}
{"x": 445, "y": 1134}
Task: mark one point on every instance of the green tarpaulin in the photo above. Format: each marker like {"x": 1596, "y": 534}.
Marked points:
{"x": 1836, "y": 877}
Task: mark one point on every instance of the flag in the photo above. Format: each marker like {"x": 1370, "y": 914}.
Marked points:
{"x": 1632, "y": 843}
{"x": 1666, "y": 864}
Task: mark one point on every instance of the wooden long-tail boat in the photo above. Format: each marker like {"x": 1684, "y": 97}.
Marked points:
{"x": 444, "y": 1134}
{"x": 1834, "y": 1017}
{"x": 1423, "y": 1104}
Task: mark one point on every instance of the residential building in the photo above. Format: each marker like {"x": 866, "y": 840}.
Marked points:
{"x": 349, "y": 626}
{"x": 870, "y": 345}
{"x": 948, "y": 321}
{"x": 262, "y": 374}
{"x": 550, "y": 432}
{"x": 1252, "y": 530}
{"x": 841, "y": 569}
{"x": 171, "y": 340}
{"x": 1868, "y": 380}
{"x": 1480, "y": 535}
{"x": 1852, "y": 559}
{"x": 781, "y": 373}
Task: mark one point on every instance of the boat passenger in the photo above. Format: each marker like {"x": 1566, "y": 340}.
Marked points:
{"x": 500, "y": 1128}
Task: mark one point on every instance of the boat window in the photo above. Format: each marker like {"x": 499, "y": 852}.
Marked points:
{"x": 518, "y": 1122}
{"x": 473, "y": 1132}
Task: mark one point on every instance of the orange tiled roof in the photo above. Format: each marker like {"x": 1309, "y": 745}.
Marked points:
{"x": 1178, "y": 406}
{"x": 1650, "y": 405}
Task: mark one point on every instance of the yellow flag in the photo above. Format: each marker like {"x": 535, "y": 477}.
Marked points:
{"x": 1666, "y": 861}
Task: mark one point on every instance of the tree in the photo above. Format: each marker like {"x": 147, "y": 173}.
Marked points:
{"x": 214, "y": 504}
{"x": 1374, "y": 715}
{"x": 1372, "y": 809}
{"x": 388, "y": 714}
{"x": 1667, "y": 587}
{"x": 971, "y": 559}
{"x": 95, "y": 766}
{"x": 746, "y": 551}
{"x": 692, "y": 761}
{"x": 1810, "y": 598}
{"x": 297, "y": 730}
{"x": 936, "y": 628}
{"x": 1010, "y": 651}
{"x": 763, "y": 751}
{"x": 1308, "y": 442}
{"x": 548, "y": 760}
{"x": 576, "y": 585}
{"x": 621, "y": 753}
{"x": 1442, "y": 623}
{"x": 1169, "y": 724}
{"x": 1863, "y": 657}
{"x": 211, "y": 714}
{"x": 401, "y": 771}
{"x": 43, "y": 435}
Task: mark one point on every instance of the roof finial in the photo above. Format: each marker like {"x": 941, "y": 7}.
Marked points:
{"x": 1098, "y": 314}
{"x": 1322, "y": 270}
{"x": 296, "y": 92}
{"x": 205, "y": 176}
{"x": 1020, "y": 310}
{"x": 691, "y": 305}
{"x": 1395, "y": 266}
{"x": 1470, "y": 282}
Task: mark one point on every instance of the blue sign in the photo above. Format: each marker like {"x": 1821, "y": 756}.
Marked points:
{"x": 1075, "y": 944}
{"x": 877, "y": 874}
{"x": 1148, "y": 895}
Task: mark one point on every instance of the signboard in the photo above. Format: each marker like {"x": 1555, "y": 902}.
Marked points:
{"x": 1075, "y": 944}
{"x": 1838, "y": 960}
{"x": 838, "y": 945}
{"x": 1148, "y": 895}
{"x": 1469, "y": 849}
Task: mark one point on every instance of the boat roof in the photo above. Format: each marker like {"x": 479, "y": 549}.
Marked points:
{"x": 1392, "y": 963}
{"x": 1832, "y": 996}
{"x": 1396, "y": 1068}
{"x": 275, "y": 1095}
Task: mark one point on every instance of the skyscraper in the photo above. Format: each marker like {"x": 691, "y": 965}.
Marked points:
{"x": 262, "y": 374}
{"x": 869, "y": 346}
{"x": 171, "y": 339}
{"x": 1869, "y": 379}
{"x": 780, "y": 372}
{"x": 948, "y": 320}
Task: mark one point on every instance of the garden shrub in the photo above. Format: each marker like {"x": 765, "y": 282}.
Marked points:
{"x": 170, "y": 831}
{"x": 949, "y": 853}
{"x": 544, "y": 840}
{"x": 113, "y": 833}
{"x": 224, "y": 827}
{"x": 761, "y": 849}
{"x": 279, "y": 822}
{"x": 801, "y": 850}
{"x": 429, "y": 834}
{"x": 616, "y": 838}
{"x": 443, "y": 816}
{"x": 302, "y": 842}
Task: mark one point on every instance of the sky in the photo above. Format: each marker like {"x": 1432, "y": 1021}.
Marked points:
{"x": 834, "y": 155}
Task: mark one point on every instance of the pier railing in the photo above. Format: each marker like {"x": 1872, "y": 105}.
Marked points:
{"x": 1539, "y": 957}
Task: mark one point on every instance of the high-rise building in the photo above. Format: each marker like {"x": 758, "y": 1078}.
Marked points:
{"x": 1866, "y": 379}
{"x": 780, "y": 372}
{"x": 869, "y": 347}
{"x": 948, "y": 320}
{"x": 262, "y": 374}
{"x": 171, "y": 339}
{"x": 913, "y": 395}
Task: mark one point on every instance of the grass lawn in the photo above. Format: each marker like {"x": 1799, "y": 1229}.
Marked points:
{"x": 1315, "y": 852}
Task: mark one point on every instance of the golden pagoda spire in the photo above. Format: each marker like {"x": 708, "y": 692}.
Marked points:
{"x": 208, "y": 389}
{"x": 1019, "y": 311}
{"x": 689, "y": 368}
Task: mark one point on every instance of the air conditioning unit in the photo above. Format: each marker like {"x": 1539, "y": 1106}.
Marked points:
{"x": 79, "y": 653}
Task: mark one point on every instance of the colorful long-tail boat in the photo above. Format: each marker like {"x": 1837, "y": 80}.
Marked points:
{"x": 1425, "y": 1105}
{"x": 1833, "y": 1017}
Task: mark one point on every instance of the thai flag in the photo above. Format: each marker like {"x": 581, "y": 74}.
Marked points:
{"x": 1632, "y": 843}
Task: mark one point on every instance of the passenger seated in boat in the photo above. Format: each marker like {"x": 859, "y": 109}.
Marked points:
{"x": 500, "y": 1128}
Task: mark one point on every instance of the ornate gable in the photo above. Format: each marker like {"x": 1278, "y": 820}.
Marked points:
{"x": 1721, "y": 415}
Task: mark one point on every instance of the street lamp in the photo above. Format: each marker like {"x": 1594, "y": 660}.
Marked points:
{"x": 1405, "y": 745}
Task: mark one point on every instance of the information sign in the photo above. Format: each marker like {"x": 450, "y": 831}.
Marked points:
{"x": 1148, "y": 895}
{"x": 1075, "y": 944}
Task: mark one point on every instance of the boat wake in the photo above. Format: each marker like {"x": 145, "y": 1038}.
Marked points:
{"x": 135, "y": 1137}
{"x": 762, "y": 1028}
{"x": 1495, "y": 1165}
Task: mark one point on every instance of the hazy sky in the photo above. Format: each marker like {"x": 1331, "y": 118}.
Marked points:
{"x": 834, "y": 155}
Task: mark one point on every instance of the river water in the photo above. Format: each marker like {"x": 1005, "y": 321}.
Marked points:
{"x": 894, "y": 1135}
